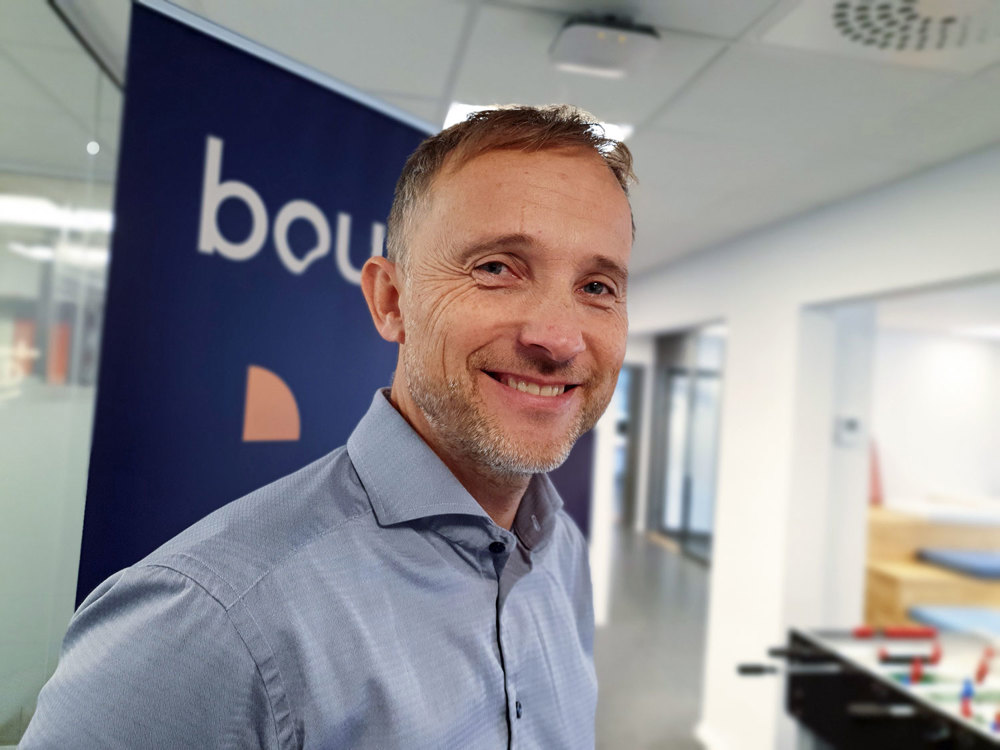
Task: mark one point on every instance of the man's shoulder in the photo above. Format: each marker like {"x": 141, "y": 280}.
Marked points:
{"x": 231, "y": 549}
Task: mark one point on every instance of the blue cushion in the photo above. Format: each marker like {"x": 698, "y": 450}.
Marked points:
{"x": 978, "y": 563}
{"x": 980, "y": 620}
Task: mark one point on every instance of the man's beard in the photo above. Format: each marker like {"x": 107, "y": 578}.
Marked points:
{"x": 459, "y": 418}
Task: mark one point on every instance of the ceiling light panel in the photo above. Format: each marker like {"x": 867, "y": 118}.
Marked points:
{"x": 728, "y": 19}
{"x": 606, "y": 48}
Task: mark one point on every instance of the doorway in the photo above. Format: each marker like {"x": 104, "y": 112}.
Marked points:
{"x": 689, "y": 372}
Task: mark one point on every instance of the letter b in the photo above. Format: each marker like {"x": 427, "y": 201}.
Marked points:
{"x": 213, "y": 194}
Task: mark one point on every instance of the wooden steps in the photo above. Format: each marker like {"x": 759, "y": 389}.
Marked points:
{"x": 897, "y": 580}
{"x": 894, "y": 587}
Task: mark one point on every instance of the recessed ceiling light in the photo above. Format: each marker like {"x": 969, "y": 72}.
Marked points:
{"x": 34, "y": 252}
{"x": 616, "y": 131}
{"x": 77, "y": 255}
{"x": 93, "y": 147}
{"x": 32, "y": 211}
{"x": 458, "y": 111}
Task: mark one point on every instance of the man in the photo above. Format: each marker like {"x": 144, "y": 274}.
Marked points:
{"x": 419, "y": 587}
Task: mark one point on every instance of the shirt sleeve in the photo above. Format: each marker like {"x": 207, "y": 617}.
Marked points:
{"x": 151, "y": 659}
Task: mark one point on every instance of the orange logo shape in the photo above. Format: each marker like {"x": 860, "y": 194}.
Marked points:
{"x": 270, "y": 413}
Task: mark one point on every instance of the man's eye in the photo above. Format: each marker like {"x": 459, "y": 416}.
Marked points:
{"x": 493, "y": 267}
{"x": 596, "y": 287}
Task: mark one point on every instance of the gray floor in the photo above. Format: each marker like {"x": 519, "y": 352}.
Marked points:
{"x": 649, "y": 655}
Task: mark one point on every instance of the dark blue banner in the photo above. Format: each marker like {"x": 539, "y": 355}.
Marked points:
{"x": 237, "y": 345}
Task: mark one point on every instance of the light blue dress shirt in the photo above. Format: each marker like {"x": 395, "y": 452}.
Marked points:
{"x": 365, "y": 601}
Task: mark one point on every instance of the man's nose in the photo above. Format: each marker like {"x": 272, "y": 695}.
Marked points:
{"x": 552, "y": 326}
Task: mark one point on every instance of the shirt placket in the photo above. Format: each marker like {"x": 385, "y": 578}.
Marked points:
{"x": 501, "y": 549}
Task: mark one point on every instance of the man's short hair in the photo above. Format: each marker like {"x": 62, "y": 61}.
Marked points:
{"x": 512, "y": 127}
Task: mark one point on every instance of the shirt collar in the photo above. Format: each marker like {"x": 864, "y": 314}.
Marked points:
{"x": 536, "y": 515}
{"x": 405, "y": 480}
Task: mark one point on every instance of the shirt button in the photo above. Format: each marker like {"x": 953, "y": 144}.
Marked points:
{"x": 497, "y": 547}
{"x": 517, "y": 708}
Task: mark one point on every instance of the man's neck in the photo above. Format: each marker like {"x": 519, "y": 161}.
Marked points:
{"x": 499, "y": 494}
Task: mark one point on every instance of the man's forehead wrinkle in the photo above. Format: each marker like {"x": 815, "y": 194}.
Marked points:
{"x": 547, "y": 196}
{"x": 480, "y": 246}
{"x": 516, "y": 240}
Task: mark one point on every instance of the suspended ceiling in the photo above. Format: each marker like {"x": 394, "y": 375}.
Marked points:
{"x": 733, "y": 131}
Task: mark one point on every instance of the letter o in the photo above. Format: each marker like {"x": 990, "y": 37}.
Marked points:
{"x": 291, "y": 211}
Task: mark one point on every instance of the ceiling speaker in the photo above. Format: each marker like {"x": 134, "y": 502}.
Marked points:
{"x": 953, "y": 35}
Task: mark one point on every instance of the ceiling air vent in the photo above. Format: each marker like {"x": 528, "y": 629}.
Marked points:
{"x": 955, "y": 35}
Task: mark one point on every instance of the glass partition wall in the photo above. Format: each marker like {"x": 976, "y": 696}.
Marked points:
{"x": 689, "y": 368}
{"x": 58, "y": 141}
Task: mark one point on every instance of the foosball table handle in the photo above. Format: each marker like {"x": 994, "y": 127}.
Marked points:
{"x": 881, "y": 710}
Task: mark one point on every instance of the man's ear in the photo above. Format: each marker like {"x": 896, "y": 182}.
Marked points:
{"x": 380, "y": 285}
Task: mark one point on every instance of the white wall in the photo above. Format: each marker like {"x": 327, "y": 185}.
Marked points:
{"x": 938, "y": 226}
{"x": 936, "y": 415}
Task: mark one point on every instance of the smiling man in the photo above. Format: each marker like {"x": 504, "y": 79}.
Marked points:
{"x": 420, "y": 587}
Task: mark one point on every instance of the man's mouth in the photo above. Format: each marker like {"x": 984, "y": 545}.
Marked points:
{"x": 532, "y": 387}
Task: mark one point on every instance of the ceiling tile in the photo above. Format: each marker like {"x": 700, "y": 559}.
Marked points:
{"x": 105, "y": 26}
{"x": 34, "y": 23}
{"x": 425, "y": 108}
{"x": 659, "y": 241}
{"x": 772, "y": 198}
{"x": 405, "y": 47}
{"x": 566, "y": 8}
{"x": 70, "y": 77}
{"x": 684, "y": 177}
{"x": 763, "y": 94}
{"x": 672, "y": 202}
{"x": 722, "y": 18}
{"x": 964, "y": 117}
{"x": 507, "y": 60}
{"x": 821, "y": 183}
{"x": 705, "y": 162}
{"x": 19, "y": 91}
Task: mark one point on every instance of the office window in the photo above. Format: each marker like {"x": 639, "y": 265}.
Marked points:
{"x": 58, "y": 142}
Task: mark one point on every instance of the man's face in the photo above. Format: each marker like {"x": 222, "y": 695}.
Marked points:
{"x": 513, "y": 307}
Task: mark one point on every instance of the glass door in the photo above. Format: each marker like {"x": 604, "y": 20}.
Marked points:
{"x": 690, "y": 368}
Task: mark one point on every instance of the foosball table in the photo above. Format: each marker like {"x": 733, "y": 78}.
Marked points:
{"x": 906, "y": 688}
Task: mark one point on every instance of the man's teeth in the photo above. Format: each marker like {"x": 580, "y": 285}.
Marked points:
{"x": 534, "y": 389}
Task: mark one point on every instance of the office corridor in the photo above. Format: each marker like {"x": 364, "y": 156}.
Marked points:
{"x": 649, "y": 654}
